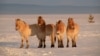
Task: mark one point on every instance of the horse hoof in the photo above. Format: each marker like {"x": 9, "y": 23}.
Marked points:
{"x": 74, "y": 46}
{"x": 27, "y": 47}
{"x": 40, "y": 46}
{"x": 44, "y": 46}
{"x": 61, "y": 46}
{"x": 52, "y": 46}
{"x": 67, "y": 46}
{"x": 21, "y": 46}
{"x": 58, "y": 46}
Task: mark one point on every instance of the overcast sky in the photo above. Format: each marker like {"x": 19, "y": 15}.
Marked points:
{"x": 54, "y": 2}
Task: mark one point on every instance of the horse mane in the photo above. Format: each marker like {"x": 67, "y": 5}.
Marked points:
{"x": 17, "y": 19}
{"x": 41, "y": 23}
{"x": 21, "y": 23}
{"x": 59, "y": 21}
{"x": 70, "y": 23}
{"x": 59, "y": 26}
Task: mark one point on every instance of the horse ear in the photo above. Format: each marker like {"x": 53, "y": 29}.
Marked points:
{"x": 18, "y": 19}
{"x": 40, "y": 18}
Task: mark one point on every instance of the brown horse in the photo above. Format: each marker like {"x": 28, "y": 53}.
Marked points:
{"x": 48, "y": 30}
{"x": 60, "y": 31}
{"x": 24, "y": 31}
{"x": 72, "y": 32}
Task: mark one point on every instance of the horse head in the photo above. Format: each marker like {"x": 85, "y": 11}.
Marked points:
{"x": 41, "y": 23}
{"x": 17, "y": 24}
{"x": 70, "y": 23}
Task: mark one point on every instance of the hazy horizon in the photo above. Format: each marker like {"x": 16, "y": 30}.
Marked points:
{"x": 54, "y": 2}
{"x": 49, "y": 6}
{"x": 40, "y": 9}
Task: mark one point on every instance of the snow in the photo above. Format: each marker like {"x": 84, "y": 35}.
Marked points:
{"x": 88, "y": 39}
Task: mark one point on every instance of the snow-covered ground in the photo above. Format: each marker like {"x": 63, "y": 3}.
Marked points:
{"x": 88, "y": 41}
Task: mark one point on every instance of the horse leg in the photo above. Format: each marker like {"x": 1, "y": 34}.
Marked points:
{"x": 22, "y": 43}
{"x": 75, "y": 39}
{"x": 60, "y": 42}
{"x": 73, "y": 43}
{"x": 52, "y": 41}
{"x": 61, "y": 37}
{"x": 27, "y": 44}
{"x": 67, "y": 42}
{"x": 40, "y": 44}
{"x": 44, "y": 43}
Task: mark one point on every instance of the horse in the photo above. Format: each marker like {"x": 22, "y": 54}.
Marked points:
{"x": 49, "y": 30}
{"x": 72, "y": 32}
{"x": 34, "y": 29}
{"x": 60, "y": 31}
{"x": 24, "y": 31}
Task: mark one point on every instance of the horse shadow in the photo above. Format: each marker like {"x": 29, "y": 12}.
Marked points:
{"x": 9, "y": 44}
